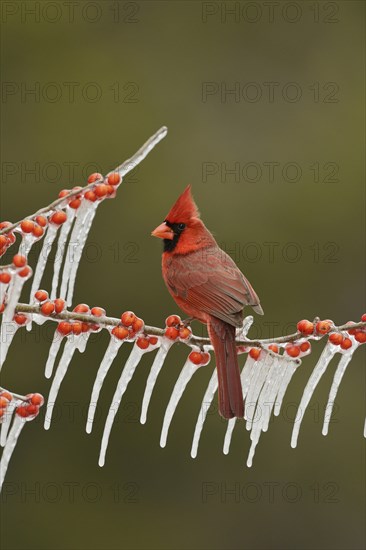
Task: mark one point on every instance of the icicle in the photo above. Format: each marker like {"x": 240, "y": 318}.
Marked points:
{"x": 3, "y": 288}
{"x": 273, "y": 388}
{"x": 74, "y": 243}
{"x": 319, "y": 370}
{"x": 364, "y": 429}
{"x": 256, "y": 383}
{"x": 266, "y": 398}
{"x": 26, "y": 244}
{"x": 186, "y": 374}
{"x": 205, "y": 405}
{"x": 6, "y": 420}
{"x": 67, "y": 355}
{"x": 289, "y": 370}
{"x": 52, "y": 354}
{"x": 42, "y": 259}
{"x": 338, "y": 375}
{"x": 246, "y": 376}
{"x": 160, "y": 357}
{"x": 7, "y": 333}
{"x": 82, "y": 341}
{"x": 86, "y": 223}
{"x": 16, "y": 428}
{"x": 127, "y": 373}
{"x": 64, "y": 233}
{"x": 109, "y": 356}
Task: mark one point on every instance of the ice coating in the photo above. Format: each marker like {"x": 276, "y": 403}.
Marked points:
{"x": 53, "y": 351}
{"x": 3, "y": 288}
{"x": 109, "y": 356}
{"x": 338, "y": 375}
{"x": 289, "y": 370}
{"x": 246, "y": 376}
{"x": 11, "y": 441}
{"x": 261, "y": 370}
{"x": 319, "y": 370}
{"x": 50, "y": 235}
{"x": 66, "y": 357}
{"x": 127, "y": 373}
{"x": 205, "y": 405}
{"x": 74, "y": 243}
{"x": 26, "y": 244}
{"x": 6, "y": 420}
{"x": 85, "y": 226}
{"x": 61, "y": 248}
{"x": 165, "y": 345}
{"x": 184, "y": 377}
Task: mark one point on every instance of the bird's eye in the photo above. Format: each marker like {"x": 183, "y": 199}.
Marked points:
{"x": 181, "y": 226}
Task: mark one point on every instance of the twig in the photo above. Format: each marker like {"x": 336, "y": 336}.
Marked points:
{"x": 122, "y": 169}
{"x": 155, "y": 331}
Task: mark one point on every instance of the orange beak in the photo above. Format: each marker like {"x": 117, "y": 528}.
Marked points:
{"x": 163, "y": 231}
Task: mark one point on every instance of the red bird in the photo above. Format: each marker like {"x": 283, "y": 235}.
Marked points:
{"x": 208, "y": 286}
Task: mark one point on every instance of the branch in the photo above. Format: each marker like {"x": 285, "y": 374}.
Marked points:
{"x": 122, "y": 169}
{"x": 155, "y": 331}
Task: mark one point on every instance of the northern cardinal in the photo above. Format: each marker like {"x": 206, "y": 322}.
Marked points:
{"x": 208, "y": 286}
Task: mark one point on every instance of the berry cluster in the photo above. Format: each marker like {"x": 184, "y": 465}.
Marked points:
{"x": 34, "y": 227}
{"x": 7, "y": 239}
{"x": 76, "y": 327}
{"x": 200, "y": 358}
{"x": 29, "y": 409}
{"x": 18, "y": 267}
{"x": 144, "y": 342}
{"x": 130, "y": 326}
{"x": 175, "y": 329}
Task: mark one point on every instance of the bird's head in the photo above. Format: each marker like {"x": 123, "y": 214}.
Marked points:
{"x": 182, "y": 229}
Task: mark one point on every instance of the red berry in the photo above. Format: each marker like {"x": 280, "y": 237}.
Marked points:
{"x": 2, "y": 307}
{"x": 77, "y": 327}
{"x": 351, "y": 330}
{"x": 4, "y": 402}
{"x": 85, "y": 327}
{"x": 90, "y": 196}
{"x": 137, "y": 325}
{"x": 120, "y": 332}
{"x": 19, "y": 261}
{"x": 305, "y": 346}
{"x": 128, "y": 318}
{"x": 81, "y": 308}
{"x": 292, "y": 350}
{"x": 363, "y": 318}
{"x": 142, "y": 343}
{"x": 153, "y": 340}
{"x": 41, "y": 220}
{"x": 185, "y": 333}
{"x": 75, "y": 203}
{"x": 114, "y": 178}
{"x": 47, "y": 308}
{"x": 36, "y": 399}
{"x": 346, "y": 344}
{"x": 32, "y": 410}
{"x": 101, "y": 190}
{"x": 336, "y": 338}
{"x": 254, "y": 353}
{"x": 7, "y": 395}
{"x": 27, "y": 226}
{"x": 205, "y": 358}
{"x": 171, "y": 333}
{"x": 22, "y": 411}
{"x": 5, "y": 277}
{"x": 360, "y": 336}
{"x": 323, "y": 327}
{"x": 25, "y": 272}
{"x": 98, "y": 311}
{"x": 20, "y": 319}
{"x": 195, "y": 357}
{"x": 41, "y": 295}
{"x": 63, "y": 193}
{"x": 172, "y": 321}
{"x": 64, "y": 328}
{"x": 37, "y": 231}
{"x": 273, "y": 347}
{"x": 305, "y": 327}
{"x": 58, "y": 218}
{"x": 60, "y": 305}
{"x": 94, "y": 177}
{"x": 3, "y": 241}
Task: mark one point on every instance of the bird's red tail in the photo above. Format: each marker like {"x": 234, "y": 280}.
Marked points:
{"x": 222, "y": 336}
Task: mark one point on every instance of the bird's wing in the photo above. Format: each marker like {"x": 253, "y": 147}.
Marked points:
{"x": 210, "y": 281}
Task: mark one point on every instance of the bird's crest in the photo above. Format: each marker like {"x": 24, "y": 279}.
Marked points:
{"x": 184, "y": 208}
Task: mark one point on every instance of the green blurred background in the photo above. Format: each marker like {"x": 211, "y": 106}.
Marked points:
{"x": 133, "y": 67}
